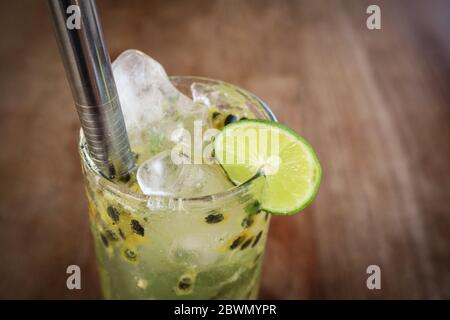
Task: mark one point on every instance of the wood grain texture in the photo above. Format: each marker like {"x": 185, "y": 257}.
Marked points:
{"x": 374, "y": 104}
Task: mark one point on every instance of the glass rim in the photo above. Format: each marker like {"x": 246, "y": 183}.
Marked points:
{"x": 123, "y": 191}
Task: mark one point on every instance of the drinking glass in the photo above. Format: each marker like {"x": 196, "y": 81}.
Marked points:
{"x": 164, "y": 247}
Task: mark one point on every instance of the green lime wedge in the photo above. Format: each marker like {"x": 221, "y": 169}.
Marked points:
{"x": 287, "y": 160}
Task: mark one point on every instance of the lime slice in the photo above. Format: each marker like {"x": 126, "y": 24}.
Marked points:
{"x": 291, "y": 167}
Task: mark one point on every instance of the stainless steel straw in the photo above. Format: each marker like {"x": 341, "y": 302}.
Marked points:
{"x": 88, "y": 68}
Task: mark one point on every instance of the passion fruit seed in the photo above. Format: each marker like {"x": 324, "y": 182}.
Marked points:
{"x": 113, "y": 213}
{"x": 122, "y": 235}
{"x": 130, "y": 254}
{"x": 215, "y": 114}
{"x": 230, "y": 119}
{"x": 237, "y": 242}
{"x": 111, "y": 236}
{"x": 253, "y": 207}
{"x": 258, "y": 236}
{"x": 247, "y": 222}
{"x": 267, "y": 216}
{"x": 243, "y": 118}
{"x": 137, "y": 228}
{"x": 185, "y": 283}
{"x": 214, "y": 217}
{"x": 246, "y": 243}
{"x": 104, "y": 240}
{"x": 125, "y": 178}
{"x": 111, "y": 172}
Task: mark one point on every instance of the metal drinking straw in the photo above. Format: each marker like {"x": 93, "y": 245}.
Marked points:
{"x": 88, "y": 68}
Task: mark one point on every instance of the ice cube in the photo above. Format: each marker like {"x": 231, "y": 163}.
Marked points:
{"x": 152, "y": 107}
{"x": 193, "y": 250}
{"x": 225, "y": 97}
{"x": 160, "y": 175}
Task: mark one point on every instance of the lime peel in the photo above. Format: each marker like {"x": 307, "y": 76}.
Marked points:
{"x": 291, "y": 166}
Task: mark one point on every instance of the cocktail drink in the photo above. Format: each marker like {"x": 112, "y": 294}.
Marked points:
{"x": 176, "y": 230}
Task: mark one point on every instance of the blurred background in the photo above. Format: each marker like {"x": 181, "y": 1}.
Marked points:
{"x": 374, "y": 104}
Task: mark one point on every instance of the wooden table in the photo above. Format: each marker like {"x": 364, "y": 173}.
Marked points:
{"x": 374, "y": 104}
